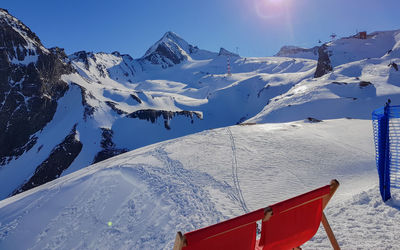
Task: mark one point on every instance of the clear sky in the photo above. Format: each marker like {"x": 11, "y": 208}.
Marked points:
{"x": 253, "y": 27}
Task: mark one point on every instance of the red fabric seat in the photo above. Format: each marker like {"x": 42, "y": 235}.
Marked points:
{"x": 294, "y": 221}
{"x": 236, "y": 233}
{"x": 285, "y": 225}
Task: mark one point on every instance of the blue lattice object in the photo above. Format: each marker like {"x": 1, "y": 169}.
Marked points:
{"x": 386, "y": 124}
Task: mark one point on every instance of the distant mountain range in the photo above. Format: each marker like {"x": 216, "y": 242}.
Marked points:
{"x": 61, "y": 113}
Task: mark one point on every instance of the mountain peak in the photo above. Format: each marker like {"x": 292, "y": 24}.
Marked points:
{"x": 170, "y": 50}
{"x": 9, "y": 21}
{"x": 4, "y": 10}
{"x": 171, "y": 36}
{"x": 225, "y": 52}
{"x": 170, "y": 39}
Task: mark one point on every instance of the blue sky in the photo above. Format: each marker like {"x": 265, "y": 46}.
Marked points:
{"x": 253, "y": 27}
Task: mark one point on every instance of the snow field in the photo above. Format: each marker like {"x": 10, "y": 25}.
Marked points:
{"x": 197, "y": 180}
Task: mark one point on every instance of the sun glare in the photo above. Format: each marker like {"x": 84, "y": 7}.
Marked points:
{"x": 267, "y": 9}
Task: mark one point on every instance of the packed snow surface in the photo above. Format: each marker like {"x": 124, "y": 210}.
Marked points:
{"x": 187, "y": 183}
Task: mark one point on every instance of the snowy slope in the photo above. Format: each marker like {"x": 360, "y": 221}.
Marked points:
{"x": 361, "y": 80}
{"x": 197, "y": 180}
{"x": 351, "y": 49}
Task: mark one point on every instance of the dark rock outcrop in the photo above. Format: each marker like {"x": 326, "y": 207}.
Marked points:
{"x": 89, "y": 110}
{"x": 364, "y": 84}
{"x": 152, "y": 115}
{"x": 225, "y": 52}
{"x": 324, "y": 63}
{"x": 60, "y": 159}
{"x": 30, "y": 85}
{"x": 339, "y": 83}
{"x": 113, "y": 106}
{"x": 313, "y": 120}
{"x": 394, "y": 65}
{"x": 163, "y": 52}
{"x": 294, "y": 51}
{"x": 82, "y": 56}
{"x": 109, "y": 149}
{"x": 136, "y": 98}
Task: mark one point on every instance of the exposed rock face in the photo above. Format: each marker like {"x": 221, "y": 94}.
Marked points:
{"x": 364, "y": 84}
{"x": 136, "y": 98}
{"x": 82, "y": 56}
{"x": 89, "y": 110}
{"x": 324, "y": 63}
{"x": 113, "y": 106}
{"x": 152, "y": 115}
{"x": 394, "y": 65}
{"x": 30, "y": 85}
{"x": 294, "y": 51}
{"x": 109, "y": 149}
{"x": 313, "y": 120}
{"x": 169, "y": 51}
{"x": 163, "y": 52}
{"x": 60, "y": 159}
{"x": 104, "y": 65}
{"x": 225, "y": 52}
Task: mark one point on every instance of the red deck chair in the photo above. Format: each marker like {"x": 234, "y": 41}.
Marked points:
{"x": 285, "y": 225}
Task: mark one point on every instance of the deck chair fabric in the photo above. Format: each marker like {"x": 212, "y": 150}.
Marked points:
{"x": 225, "y": 235}
{"x": 285, "y": 225}
{"x": 294, "y": 221}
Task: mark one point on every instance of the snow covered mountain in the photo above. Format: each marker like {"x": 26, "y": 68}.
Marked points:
{"x": 171, "y": 50}
{"x": 65, "y": 113}
{"x": 61, "y": 113}
{"x": 90, "y": 106}
{"x": 353, "y": 77}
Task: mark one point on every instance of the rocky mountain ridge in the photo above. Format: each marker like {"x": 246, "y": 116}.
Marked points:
{"x": 30, "y": 85}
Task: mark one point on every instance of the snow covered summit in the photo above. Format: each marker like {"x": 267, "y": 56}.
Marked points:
{"x": 171, "y": 50}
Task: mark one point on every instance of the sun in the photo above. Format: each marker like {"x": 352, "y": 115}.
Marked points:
{"x": 268, "y": 9}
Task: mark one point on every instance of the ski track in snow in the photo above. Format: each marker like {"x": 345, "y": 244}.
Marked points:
{"x": 235, "y": 176}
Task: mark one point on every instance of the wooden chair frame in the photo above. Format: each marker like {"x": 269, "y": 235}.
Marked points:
{"x": 180, "y": 240}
